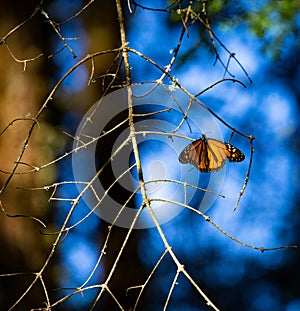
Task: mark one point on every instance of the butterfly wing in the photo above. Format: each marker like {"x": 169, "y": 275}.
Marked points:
{"x": 209, "y": 155}
{"x": 192, "y": 153}
{"x": 189, "y": 155}
{"x": 216, "y": 154}
{"x": 233, "y": 154}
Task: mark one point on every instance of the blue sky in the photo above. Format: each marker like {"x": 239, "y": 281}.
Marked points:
{"x": 267, "y": 108}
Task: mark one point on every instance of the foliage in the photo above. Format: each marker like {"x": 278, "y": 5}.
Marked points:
{"x": 274, "y": 22}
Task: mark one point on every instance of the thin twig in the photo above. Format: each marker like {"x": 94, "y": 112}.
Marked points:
{"x": 207, "y": 218}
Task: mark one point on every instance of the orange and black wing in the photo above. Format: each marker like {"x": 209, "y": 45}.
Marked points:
{"x": 209, "y": 155}
{"x": 234, "y": 154}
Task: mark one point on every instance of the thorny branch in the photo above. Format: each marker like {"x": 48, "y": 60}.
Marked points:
{"x": 188, "y": 18}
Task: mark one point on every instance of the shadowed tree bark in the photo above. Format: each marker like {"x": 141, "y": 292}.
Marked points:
{"x": 23, "y": 249}
{"x": 21, "y": 96}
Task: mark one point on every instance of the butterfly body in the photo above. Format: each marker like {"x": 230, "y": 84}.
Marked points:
{"x": 209, "y": 155}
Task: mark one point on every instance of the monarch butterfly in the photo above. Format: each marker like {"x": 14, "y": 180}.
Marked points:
{"x": 209, "y": 155}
